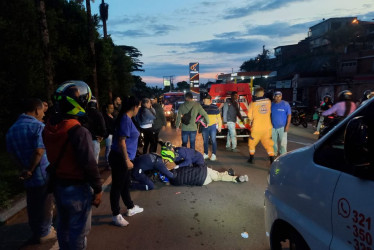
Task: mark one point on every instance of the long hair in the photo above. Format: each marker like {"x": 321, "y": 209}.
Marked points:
{"x": 128, "y": 103}
{"x": 348, "y": 105}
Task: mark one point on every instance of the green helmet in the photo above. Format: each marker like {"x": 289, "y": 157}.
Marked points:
{"x": 167, "y": 154}
{"x": 71, "y": 98}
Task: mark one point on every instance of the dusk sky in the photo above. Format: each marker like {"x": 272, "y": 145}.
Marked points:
{"x": 220, "y": 35}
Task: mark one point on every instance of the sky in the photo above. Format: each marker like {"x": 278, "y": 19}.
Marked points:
{"x": 220, "y": 35}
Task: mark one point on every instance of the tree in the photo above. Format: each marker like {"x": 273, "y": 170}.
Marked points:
{"x": 182, "y": 86}
{"x": 48, "y": 65}
{"x": 134, "y": 53}
{"x": 261, "y": 62}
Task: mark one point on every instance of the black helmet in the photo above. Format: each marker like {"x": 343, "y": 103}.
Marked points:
{"x": 367, "y": 94}
{"x": 71, "y": 98}
{"x": 345, "y": 95}
{"x": 92, "y": 104}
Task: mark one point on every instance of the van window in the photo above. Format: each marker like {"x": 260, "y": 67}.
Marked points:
{"x": 331, "y": 153}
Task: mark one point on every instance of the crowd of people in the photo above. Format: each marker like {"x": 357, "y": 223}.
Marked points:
{"x": 59, "y": 153}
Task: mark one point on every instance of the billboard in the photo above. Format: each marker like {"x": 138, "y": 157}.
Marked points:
{"x": 166, "y": 82}
{"x": 194, "y": 74}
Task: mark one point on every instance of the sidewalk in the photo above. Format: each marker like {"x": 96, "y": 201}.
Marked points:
{"x": 20, "y": 203}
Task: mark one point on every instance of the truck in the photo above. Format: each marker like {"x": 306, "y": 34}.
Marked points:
{"x": 221, "y": 92}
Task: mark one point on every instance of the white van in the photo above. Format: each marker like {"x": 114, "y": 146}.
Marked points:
{"x": 322, "y": 196}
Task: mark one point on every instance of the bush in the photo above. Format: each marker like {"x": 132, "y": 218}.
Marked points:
{"x": 10, "y": 186}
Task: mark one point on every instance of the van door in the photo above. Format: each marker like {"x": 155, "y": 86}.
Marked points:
{"x": 353, "y": 202}
{"x": 353, "y": 213}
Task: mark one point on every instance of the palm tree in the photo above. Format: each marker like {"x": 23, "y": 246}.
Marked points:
{"x": 48, "y": 65}
{"x": 104, "y": 15}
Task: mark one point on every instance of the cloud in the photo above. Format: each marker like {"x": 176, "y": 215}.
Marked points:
{"x": 231, "y": 46}
{"x": 259, "y": 5}
{"x": 366, "y": 17}
{"x": 148, "y": 31}
{"x": 280, "y": 29}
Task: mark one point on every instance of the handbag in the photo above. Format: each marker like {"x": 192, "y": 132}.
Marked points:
{"x": 186, "y": 118}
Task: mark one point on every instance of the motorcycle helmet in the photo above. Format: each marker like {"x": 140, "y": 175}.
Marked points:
{"x": 367, "y": 95}
{"x": 72, "y": 97}
{"x": 167, "y": 154}
{"x": 345, "y": 95}
{"x": 328, "y": 97}
{"x": 92, "y": 104}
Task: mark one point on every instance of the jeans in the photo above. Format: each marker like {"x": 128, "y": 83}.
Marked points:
{"x": 231, "y": 135}
{"x": 320, "y": 122}
{"x": 279, "y": 136}
{"x": 96, "y": 147}
{"x": 148, "y": 139}
{"x": 211, "y": 132}
{"x": 73, "y": 215}
{"x": 108, "y": 145}
{"x": 154, "y": 141}
{"x": 186, "y": 135}
{"x": 120, "y": 183}
{"x": 39, "y": 210}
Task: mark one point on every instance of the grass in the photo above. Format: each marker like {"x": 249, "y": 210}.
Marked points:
{"x": 10, "y": 186}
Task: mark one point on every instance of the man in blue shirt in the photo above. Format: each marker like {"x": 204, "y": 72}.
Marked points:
{"x": 25, "y": 145}
{"x": 280, "y": 118}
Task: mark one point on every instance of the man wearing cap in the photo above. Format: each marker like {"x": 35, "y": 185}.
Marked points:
{"x": 280, "y": 119}
{"x": 158, "y": 123}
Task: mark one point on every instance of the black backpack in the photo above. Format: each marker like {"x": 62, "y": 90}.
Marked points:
{"x": 186, "y": 118}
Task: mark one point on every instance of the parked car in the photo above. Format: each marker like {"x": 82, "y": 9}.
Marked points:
{"x": 320, "y": 196}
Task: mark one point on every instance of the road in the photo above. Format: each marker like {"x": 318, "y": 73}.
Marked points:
{"x": 207, "y": 217}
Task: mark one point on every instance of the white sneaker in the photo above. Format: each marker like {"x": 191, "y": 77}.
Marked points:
{"x": 213, "y": 157}
{"x": 243, "y": 178}
{"x": 135, "y": 210}
{"x": 118, "y": 220}
{"x": 206, "y": 156}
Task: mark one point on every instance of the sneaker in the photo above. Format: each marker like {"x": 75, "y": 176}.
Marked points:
{"x": 242, "y": 178}
{"x": 316, "y": 133}
{"x": 206, "y": 156}
{"x": 213, "y": 157}
{"x": 135, "y": 210}
{"x": 235, "y": 150}
{"x": 118, "y": 220}
{"x": 51, "y": 236}
{"x": 231, "y": 172}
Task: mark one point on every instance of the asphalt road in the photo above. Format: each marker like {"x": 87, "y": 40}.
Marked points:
{"x": 208, "y": 217}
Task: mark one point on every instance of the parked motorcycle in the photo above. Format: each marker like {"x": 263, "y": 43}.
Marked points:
{"x": 298, "y": 117}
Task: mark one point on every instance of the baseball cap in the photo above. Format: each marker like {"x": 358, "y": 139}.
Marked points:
{"x": 208, "y": 97}
{"x": 277, "y": 93}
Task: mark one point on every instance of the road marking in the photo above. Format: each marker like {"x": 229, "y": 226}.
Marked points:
{"x": 301, "y": 143}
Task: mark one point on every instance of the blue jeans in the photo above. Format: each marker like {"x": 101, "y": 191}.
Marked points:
{"x": 39, "y": 210}
{"x": 96, "y": 147}
{"x": 108, "y": 145}
{"x": 73, "y": 215}
{"x": 211, "y": 132}
{"x": 231, "y": 135}
{"x": 191, "y": 135}
{"x": 279, "y": 137}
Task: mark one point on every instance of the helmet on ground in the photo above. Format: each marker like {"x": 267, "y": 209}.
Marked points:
{"x": 167, "y": 154}
{"x": 72, "y": 97}
{"x": 345, "y": 95}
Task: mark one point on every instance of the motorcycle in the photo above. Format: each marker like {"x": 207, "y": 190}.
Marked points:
{"x": 298, "y": 117}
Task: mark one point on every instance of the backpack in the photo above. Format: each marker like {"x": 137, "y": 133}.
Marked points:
{"x": 186, "y": 118}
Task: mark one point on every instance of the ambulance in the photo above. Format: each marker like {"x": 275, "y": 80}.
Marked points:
{"x": 219, "y": 94}
{"x": 322, "y": 196}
